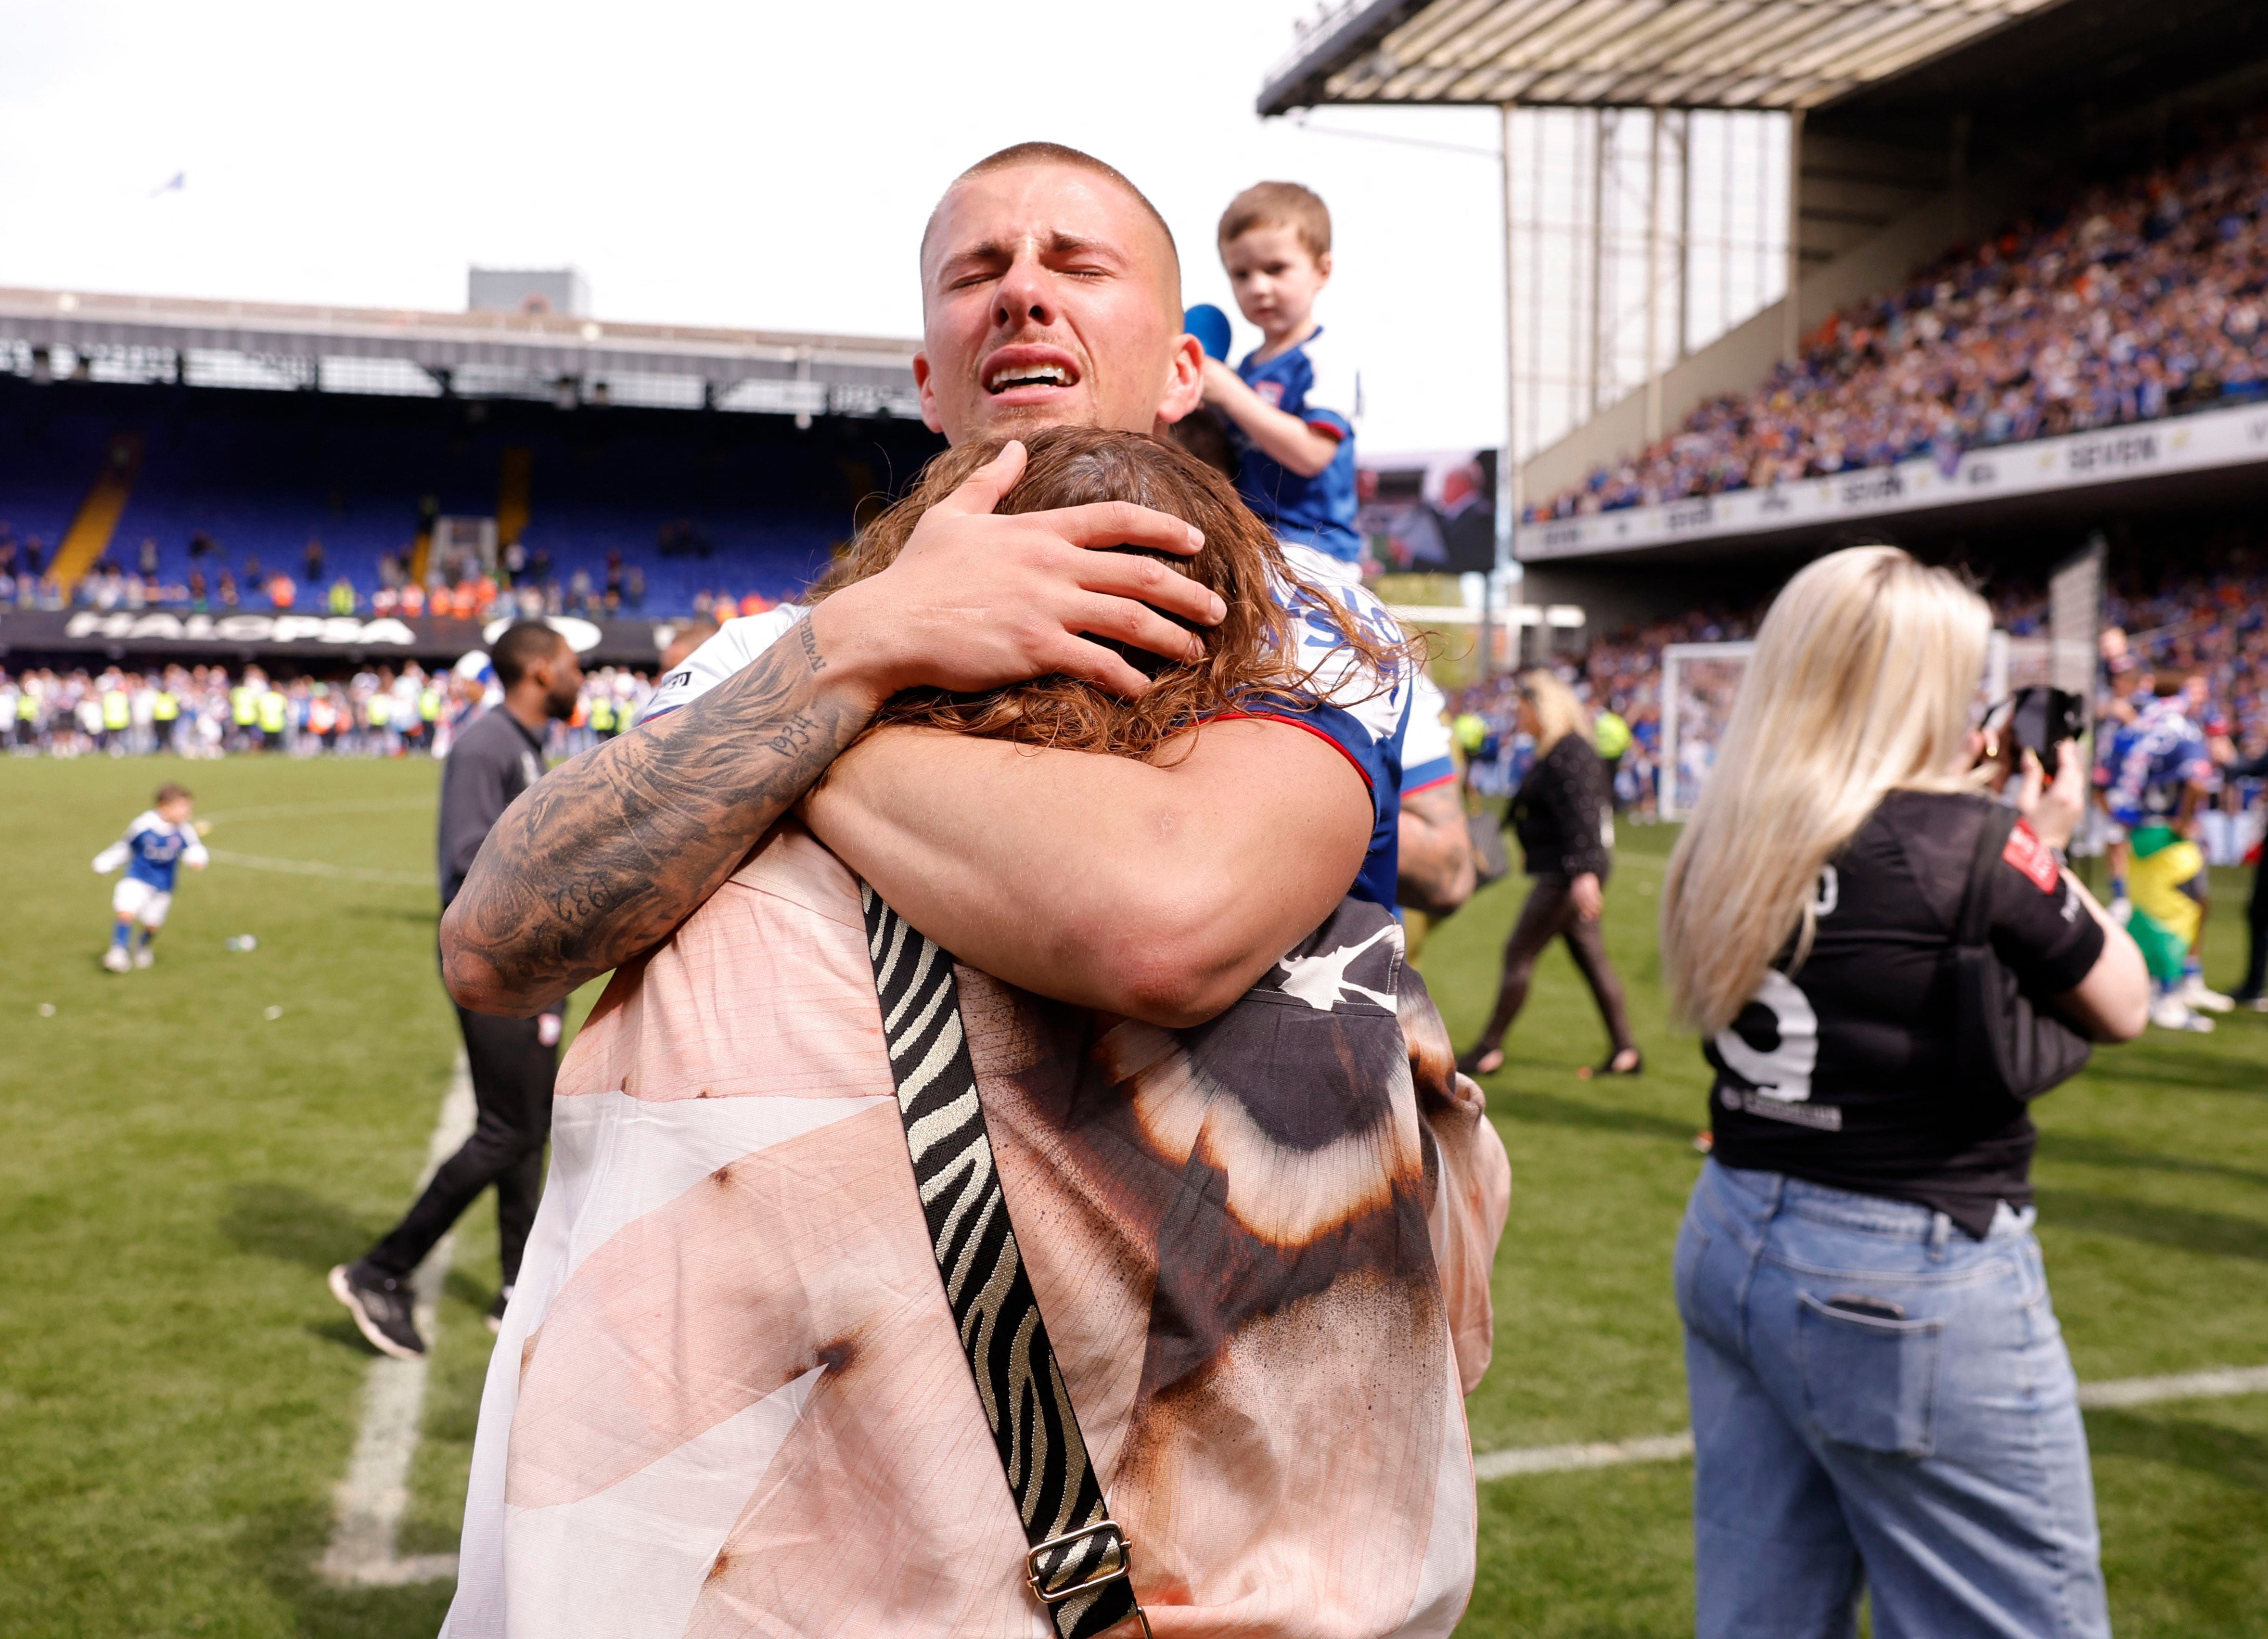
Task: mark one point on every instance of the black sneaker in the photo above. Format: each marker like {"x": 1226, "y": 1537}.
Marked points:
{"x": 381, "y": 1307}
{"x": 495, "y": 1309}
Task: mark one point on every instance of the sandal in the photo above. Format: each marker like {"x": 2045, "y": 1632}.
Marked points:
{"x": 1637, "y": 1065}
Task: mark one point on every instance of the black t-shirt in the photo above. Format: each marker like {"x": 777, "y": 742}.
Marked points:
{"x": 1844, "y": 1073}
{"x": 494, "y": 759}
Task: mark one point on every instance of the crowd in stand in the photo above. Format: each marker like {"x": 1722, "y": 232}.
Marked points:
{"x": 523, "y": 584}
{"x": 207, "y": 711}
{"x": 2134, "y": 300}
{"x": 2212, "y": 619}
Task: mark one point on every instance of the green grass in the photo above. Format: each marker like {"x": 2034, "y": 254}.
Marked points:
{"x": 178, "y": 1393}
{"x": 2153, "y": 1180}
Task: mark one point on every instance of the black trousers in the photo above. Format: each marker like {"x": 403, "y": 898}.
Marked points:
{"x": 1548, "y": 915}
{"x": 513, "y": 1073}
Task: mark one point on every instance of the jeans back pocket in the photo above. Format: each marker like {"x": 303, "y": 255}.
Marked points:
{"x": 1869, "y": 1381}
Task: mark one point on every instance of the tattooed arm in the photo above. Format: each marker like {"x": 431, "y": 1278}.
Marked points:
{"x": 601, "y": 859}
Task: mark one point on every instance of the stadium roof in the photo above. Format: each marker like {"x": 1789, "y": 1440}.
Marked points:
{"x": 1685, "y": 53}
{"x": 838, "y": 372}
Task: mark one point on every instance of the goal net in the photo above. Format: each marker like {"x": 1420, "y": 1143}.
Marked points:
{"x": 1700, "y": 680}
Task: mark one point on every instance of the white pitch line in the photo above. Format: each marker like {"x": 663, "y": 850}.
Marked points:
{"x": 308, "y": 811}
{"x": 375, "y": 1493}
{"x": 319, "y": 868}
{"x": 2220, "y": 1383}
{"x": 1559, "y": 1460}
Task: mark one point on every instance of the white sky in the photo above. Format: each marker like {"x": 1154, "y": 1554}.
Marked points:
{"x": 764, "y": 166}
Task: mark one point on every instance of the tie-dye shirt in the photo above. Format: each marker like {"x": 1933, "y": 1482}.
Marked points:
{"x": 729, "y": 1400}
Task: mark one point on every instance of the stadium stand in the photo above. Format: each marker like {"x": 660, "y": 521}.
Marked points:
{"x": 149, "y": 496}
{"x": 191, "y": 453}
{"x": 2128, "y": 300}
{"x": 2203, "y": 608}
{"x": 2025, "y": 310}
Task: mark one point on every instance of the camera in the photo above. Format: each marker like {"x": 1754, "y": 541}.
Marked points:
{"x": 2038, "y": 719}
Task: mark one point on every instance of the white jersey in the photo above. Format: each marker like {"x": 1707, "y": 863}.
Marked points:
{"x": 1428, "y": 755}
{"x": 733, "y": 649}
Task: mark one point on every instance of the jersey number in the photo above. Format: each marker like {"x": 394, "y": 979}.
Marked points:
{"x": 1773, "y": 1045}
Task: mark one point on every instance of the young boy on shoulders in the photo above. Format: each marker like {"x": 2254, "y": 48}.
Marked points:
{"x": 1293, "y": 400}
{"x": 1292, "y": 404}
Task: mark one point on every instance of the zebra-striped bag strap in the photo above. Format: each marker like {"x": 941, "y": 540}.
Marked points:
{"x": 1078, "y": 1559}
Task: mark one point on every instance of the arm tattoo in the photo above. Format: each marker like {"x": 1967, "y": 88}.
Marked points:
{"x": 603, "y": 858}
{"x": 794, "y": 737}
{"x": 810, "y": 640}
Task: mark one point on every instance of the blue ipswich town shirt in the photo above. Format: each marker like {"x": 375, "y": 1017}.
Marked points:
{"x": 1312, "y": 382}
{"x": 1341, "y": 701}
{"x": 151, "y": 850}
{"x": 2152, "y": 760}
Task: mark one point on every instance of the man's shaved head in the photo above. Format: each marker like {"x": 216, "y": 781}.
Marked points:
{"x": 1051, "y": 296}
{"x": 1057, "y": 154}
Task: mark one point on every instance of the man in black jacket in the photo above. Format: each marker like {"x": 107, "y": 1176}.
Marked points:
{"x": 513, "y": 1061}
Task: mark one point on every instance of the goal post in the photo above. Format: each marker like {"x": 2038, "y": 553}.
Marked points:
{"x": 1699, "y": 681}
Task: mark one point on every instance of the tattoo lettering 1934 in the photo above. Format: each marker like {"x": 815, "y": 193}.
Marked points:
{"x": 793, "y": 737}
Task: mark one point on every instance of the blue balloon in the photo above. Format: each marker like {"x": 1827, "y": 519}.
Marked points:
{"x": 1209, "y": 326}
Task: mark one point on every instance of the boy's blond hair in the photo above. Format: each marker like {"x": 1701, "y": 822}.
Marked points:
{"x": 1279, "y": 205}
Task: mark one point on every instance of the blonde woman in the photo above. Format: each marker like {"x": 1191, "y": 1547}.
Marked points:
{"x": 1881, "y": 1396}
{"x": 1564, "y": 816}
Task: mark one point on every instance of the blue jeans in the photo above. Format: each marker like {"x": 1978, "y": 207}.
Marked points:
{"x": 1879, "y": 1401}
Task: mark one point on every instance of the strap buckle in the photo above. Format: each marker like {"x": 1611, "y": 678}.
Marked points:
{"x": 1119, "y": 1553}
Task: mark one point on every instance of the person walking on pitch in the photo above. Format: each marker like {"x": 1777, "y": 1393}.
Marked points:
{"x": 513, "y": 1061}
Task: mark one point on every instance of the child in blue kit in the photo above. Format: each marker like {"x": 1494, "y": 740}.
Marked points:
{"x": 161, "y": 838}
{"x": 1293, "y": 400}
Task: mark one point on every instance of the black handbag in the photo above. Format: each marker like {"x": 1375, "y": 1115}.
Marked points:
{"x": 2003, "y": 1044}
{"x": 1490, "y": 863}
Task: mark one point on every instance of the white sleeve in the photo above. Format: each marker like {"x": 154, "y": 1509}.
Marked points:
{"x": 736, "y": 644}
{"x": 1426, "y": 755}
{"x": 1338, "y": 384}
{"x": 193, "y": 855}
{"x": 1323, "y": 667}
{"x": 118, "y": 852}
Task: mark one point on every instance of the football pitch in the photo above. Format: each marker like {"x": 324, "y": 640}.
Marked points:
{"x": 189, "y": 1149}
